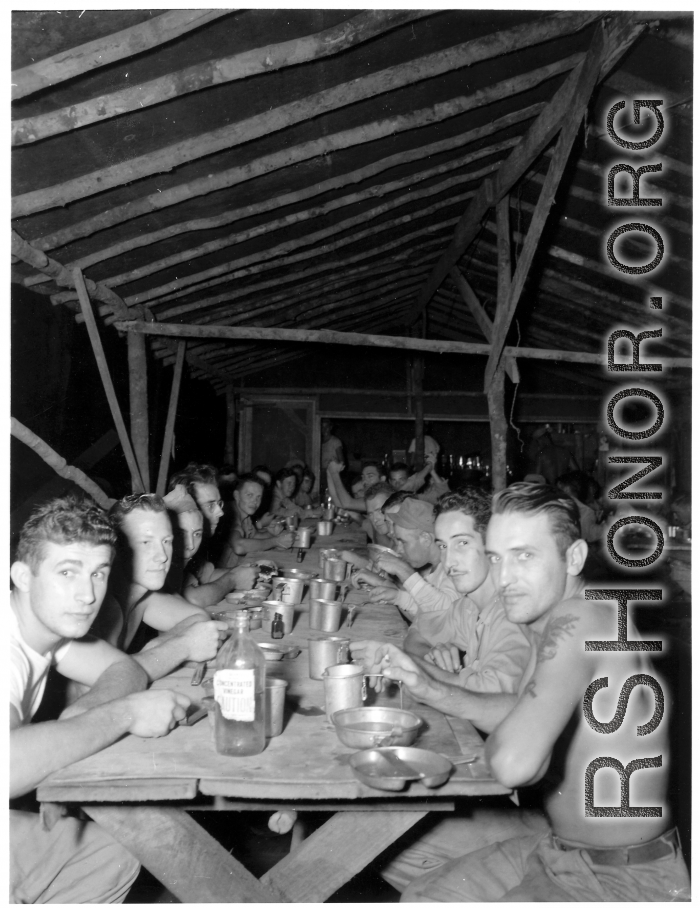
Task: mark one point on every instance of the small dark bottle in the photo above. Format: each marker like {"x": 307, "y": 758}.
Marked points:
{"x": 277, "y": 629}
{"x": 300, "y": 554}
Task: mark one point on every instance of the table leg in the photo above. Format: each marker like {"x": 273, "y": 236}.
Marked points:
{"x": 342, "y": 847}
{"x": 182, "y": 855}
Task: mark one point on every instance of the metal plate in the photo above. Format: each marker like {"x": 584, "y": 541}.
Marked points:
{"x": 389, "y": 768}
{"x": 276, "y": 651}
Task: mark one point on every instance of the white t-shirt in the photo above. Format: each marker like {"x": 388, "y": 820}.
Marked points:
{"x": 28, "y": 671}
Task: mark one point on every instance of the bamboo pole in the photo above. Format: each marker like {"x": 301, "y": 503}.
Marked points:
{"x": 170, "y": 420}
{"x": 324, "y": 336}
{"x": 136, "y": 480}
{"x": 138, "y": 403}
{"x": 214, "y": 72}
{"x": 102, "y": 51}
{"x": 230, "y": 424}
{"x": 538, "y": 136}
{"x": 58, "y": 463}
{"x": 222, "y": 139}
{"x": 418, "y": 373}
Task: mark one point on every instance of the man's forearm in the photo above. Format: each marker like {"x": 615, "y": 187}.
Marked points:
{"x": 261, "y": 542}
{"x": 484, "y": 711}
{"x": 210, "y": 593}
{"x": 416, "y": 646}
{"x": 340, "y": 495}
{"x": 122, "y": 678}
{"x": 42, "y": 748}
{"x": 162, "y": 657}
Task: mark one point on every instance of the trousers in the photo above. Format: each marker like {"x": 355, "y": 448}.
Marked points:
{"x": 534, "y": 869}
{"x": 76, "y": 862}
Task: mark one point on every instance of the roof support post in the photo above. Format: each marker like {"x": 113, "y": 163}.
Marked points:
{"x": 495, "y": 398}
{"x": 170, "y": 420}
{"x": 621, "y": 34}
{"x": 136, "y": 479}
{"x": 586, "y": 81}
{"x": 138, "y": 402}
{"x": 230, "y": 424}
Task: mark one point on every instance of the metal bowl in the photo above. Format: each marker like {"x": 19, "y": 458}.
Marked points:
{"x": 297, "y": 574}
{"x": 276, "y": 651}
{"x": 376, "y": 726}
{"x": 374, "y": 551}
{"x": 390, "y": 768}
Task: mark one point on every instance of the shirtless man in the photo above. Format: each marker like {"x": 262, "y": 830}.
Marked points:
{"x": 200, "y": 583}
{"x": 59, "y": 580}
{"x": 144, "y": 553}
{"x": 245, "y": 537}
{"x": 548, "y": 736}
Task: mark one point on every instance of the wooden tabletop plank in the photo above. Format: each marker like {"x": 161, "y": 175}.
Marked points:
{"x": 307, "y": 761}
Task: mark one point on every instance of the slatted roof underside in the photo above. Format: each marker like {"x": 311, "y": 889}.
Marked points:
{"x": 321, "y": 194}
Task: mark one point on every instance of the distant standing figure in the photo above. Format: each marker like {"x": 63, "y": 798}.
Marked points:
{"x": 331, "y": 447}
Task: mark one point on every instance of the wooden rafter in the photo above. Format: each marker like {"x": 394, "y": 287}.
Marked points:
{"x": 214, "y": 72}
{"x": 325, "y": 101}
{"x": 586, "y": 80}
{"x": 101, "y": 52}
{"x": 620, "y": 36}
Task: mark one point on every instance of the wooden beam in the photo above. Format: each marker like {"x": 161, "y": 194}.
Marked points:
{"x": 138, "y": 403}
{"x": 103, "y": 51}
{"x": 136, "y": 479}
{"x": 286, "y": 115}
{"x": 214, "y": 72}
{"x": 230, "y": 424}
{"x": 58, "y": 463}
{"x": 586, "y": 81}
{"x": 495, "y": 398}
{"x": 369, "y": 132}
{"x": 545, "y": 127}
{"x": 367, "y": 340}
{"x": 480, "y": 316}
{"x": 170, "y": 420}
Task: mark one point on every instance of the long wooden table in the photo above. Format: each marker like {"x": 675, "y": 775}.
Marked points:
{"x": 140, "y": 789}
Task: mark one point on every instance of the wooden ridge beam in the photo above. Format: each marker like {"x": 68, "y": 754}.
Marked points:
{"x": 586, "y": 80}
{"x": 621, "y": 35}
{"x": 102, "y": 51}
{"x": 390, "y": 79}
{"x": 325, "y": 336}
{"x": 214, "y": 72}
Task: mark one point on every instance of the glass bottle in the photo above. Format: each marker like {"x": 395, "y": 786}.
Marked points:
{"x": 277, "y": 629}
{"x": 239, "y": 691}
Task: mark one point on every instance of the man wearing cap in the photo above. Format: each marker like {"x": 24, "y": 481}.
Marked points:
{"x": 425, "y": 586}
{"x": 195, "y": 577}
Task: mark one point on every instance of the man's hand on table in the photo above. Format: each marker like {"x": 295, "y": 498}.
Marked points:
{"x": 384, "y": 594}
{"x": 201, "y": 637}
{"x": 392, "y": 662}
{"x": 364, "y": 578}
{"x": 245, "y": 575}
{"x": 153, "y": 713}
{"x": 395, "y": 566}
{"x": 445, "y": 656}
{"x": 285, "y": 540}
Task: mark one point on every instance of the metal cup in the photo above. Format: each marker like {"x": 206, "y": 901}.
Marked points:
{"x": 335, "y": 569}
{"x": 344, "y": 687}
{"x": 302, "y": 540}
{"x": 285, "y": 609}
{"x": 325, "y": 615}
{"x": 288, "y": 589}
{"x": 325, "y": 527}
{"x": 275, "y": 692}
{"x": 329, "y": 651}
{"x": 292, "y": 521}
{"x": 329, "y": 512}
{"x": 322, "y": 589}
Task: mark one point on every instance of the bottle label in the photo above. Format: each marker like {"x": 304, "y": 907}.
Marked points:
{"x": 234, "y": 691}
